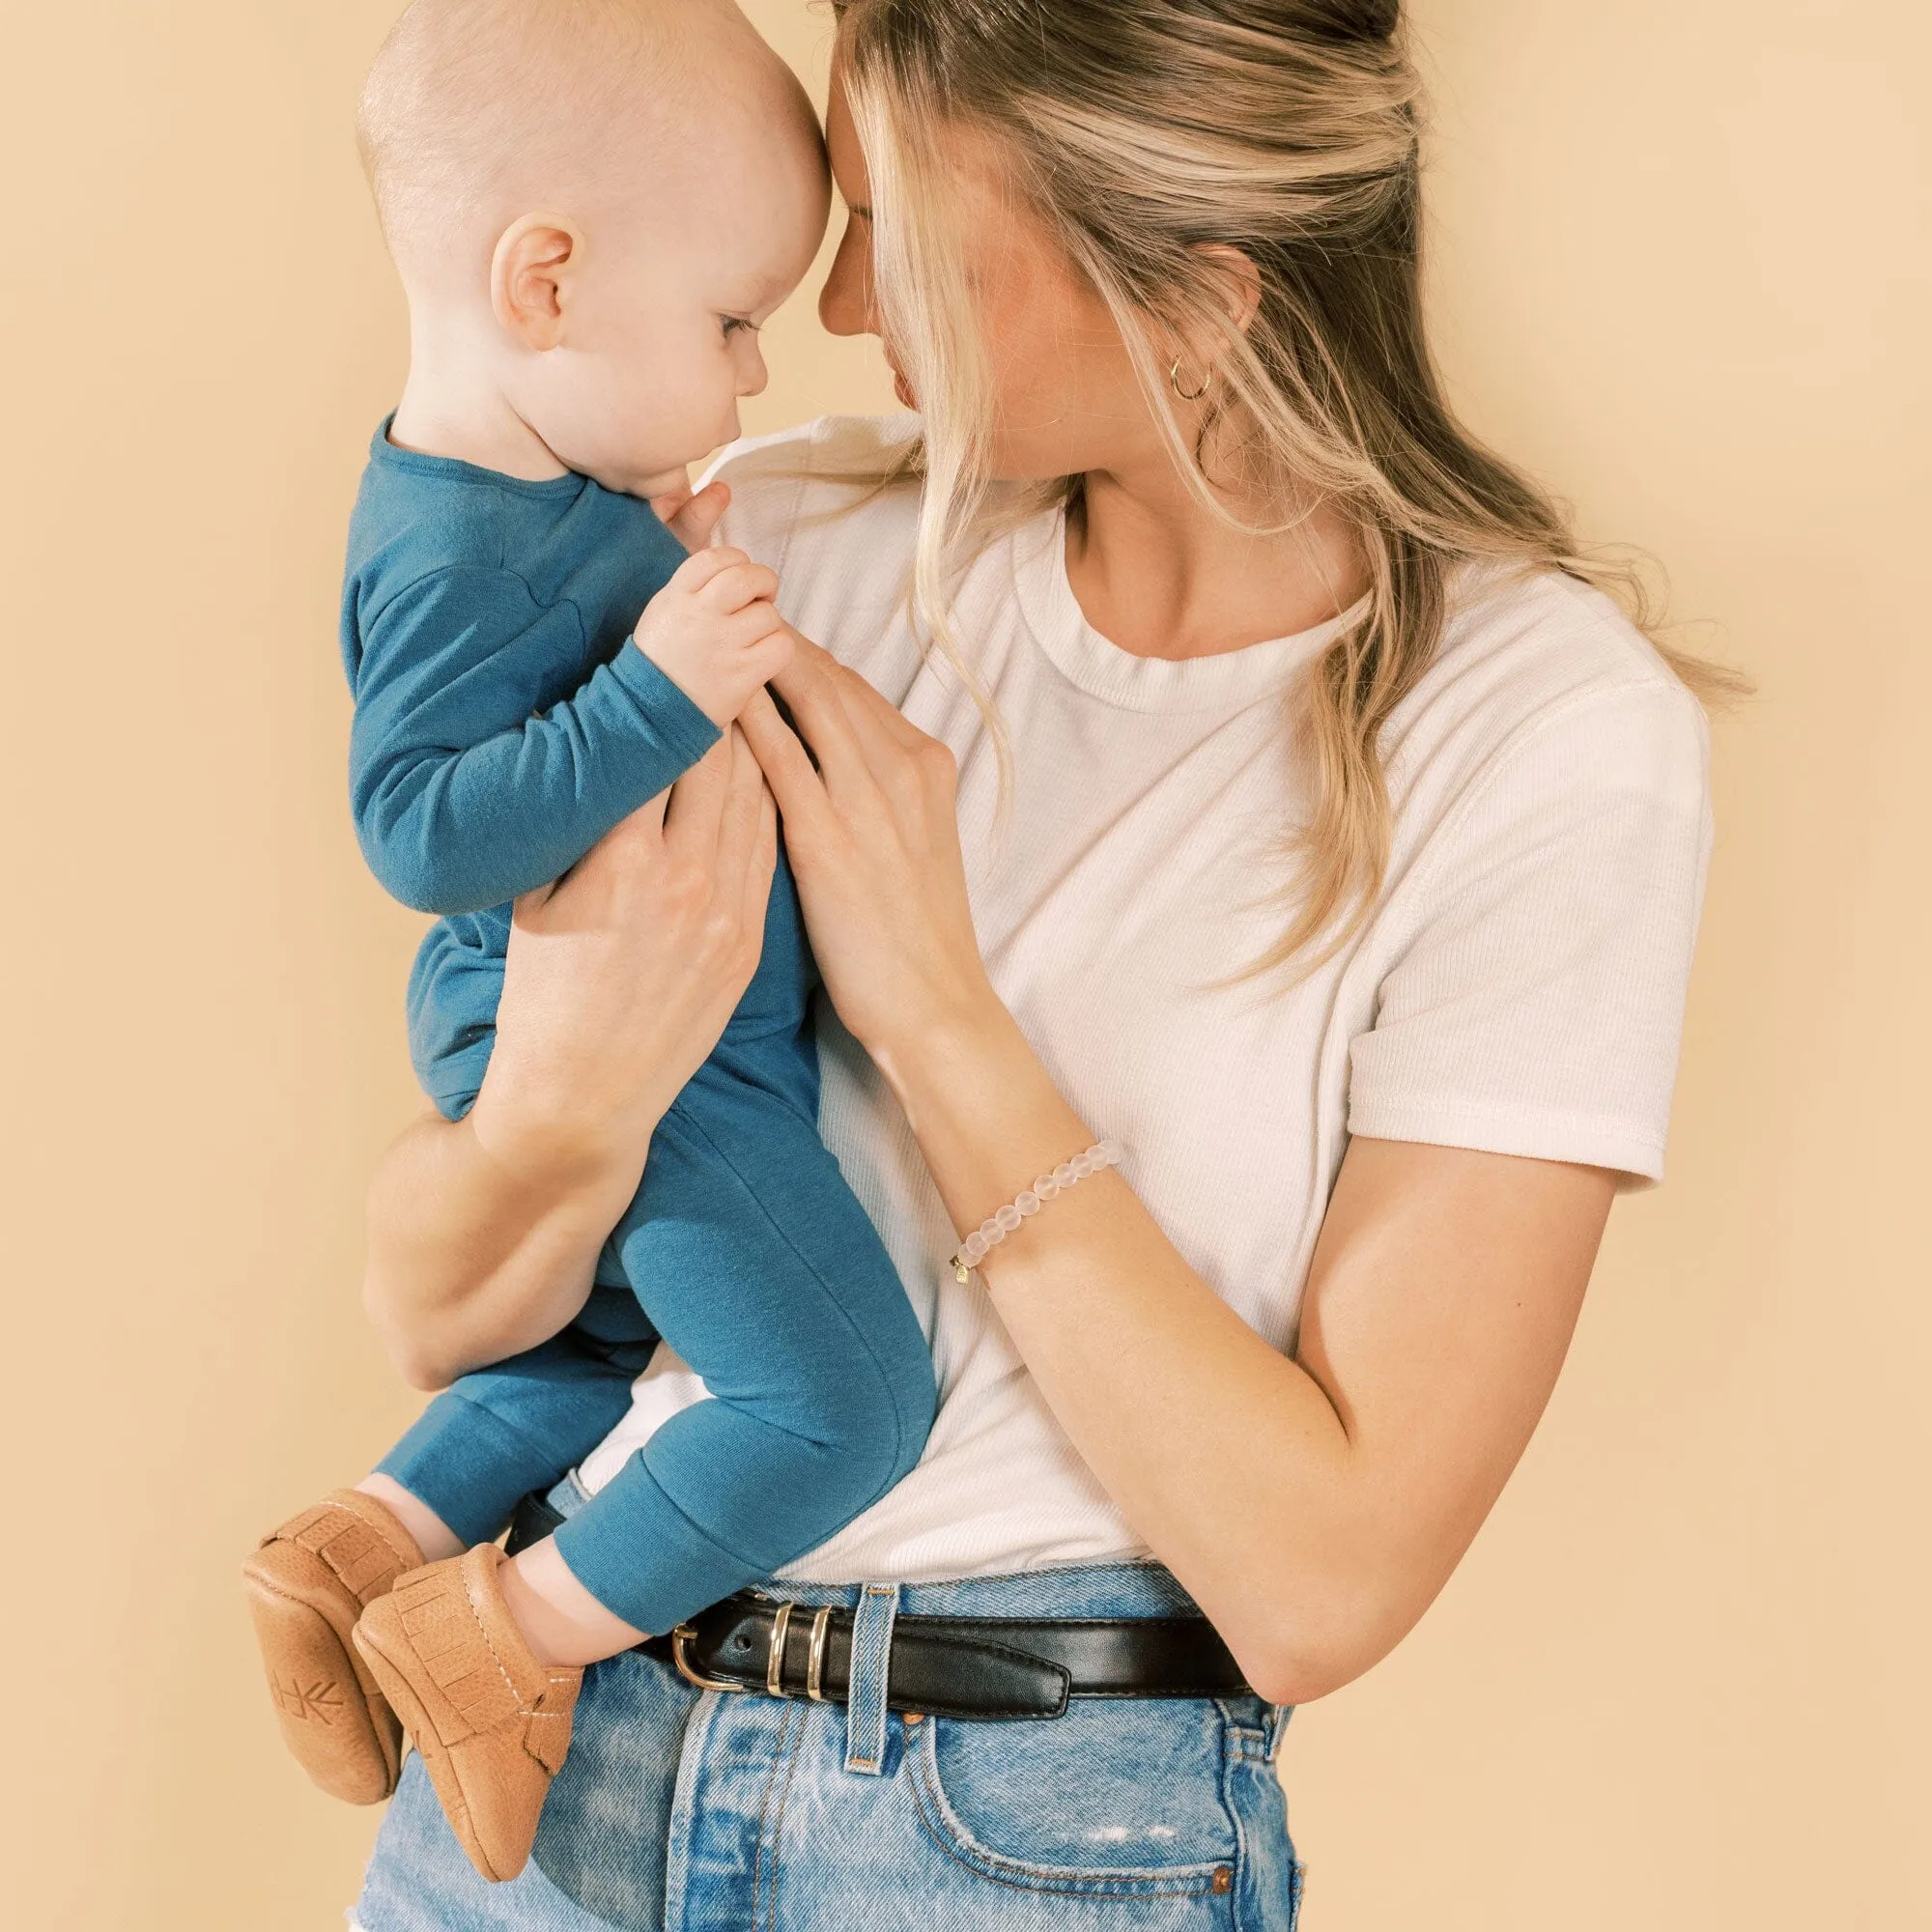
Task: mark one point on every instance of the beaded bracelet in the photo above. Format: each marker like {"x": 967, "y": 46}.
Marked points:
{"x": 995, "y": 1228}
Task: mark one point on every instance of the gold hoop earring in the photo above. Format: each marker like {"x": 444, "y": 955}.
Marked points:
{"x": 1189, "y": 395}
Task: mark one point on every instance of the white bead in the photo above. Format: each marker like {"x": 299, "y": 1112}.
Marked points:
{"x": 995, "y": 1228}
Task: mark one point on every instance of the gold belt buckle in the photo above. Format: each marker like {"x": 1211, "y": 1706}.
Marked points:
{"x": 681, "y": 1639}
{"x": 684, "y": 1636}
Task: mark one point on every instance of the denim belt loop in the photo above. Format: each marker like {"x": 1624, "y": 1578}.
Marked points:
{"x": 1278, "y": 1716}
{"x": 866, "y": 1687}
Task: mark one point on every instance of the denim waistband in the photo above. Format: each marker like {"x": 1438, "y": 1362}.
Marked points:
{"x": 1070, "y": 1591}
{"x": 1067, "y": 1591}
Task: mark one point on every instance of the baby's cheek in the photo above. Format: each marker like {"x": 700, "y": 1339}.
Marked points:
{"x": 648, "y": 413}
{"x": 689, "y": 400}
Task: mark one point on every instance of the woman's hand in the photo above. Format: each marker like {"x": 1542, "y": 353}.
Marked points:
{"x": 873, "y": 836}
{"x": 483, "y": 1233}
{"x": 621, "y": 976}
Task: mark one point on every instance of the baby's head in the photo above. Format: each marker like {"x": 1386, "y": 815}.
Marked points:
{"x": 593, "y": 205}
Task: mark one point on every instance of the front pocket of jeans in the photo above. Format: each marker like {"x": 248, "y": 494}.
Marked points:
{"x": 1120, "y": 1799}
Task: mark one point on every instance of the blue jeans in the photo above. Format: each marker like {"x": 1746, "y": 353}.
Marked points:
{"x": 687, "y": 1812}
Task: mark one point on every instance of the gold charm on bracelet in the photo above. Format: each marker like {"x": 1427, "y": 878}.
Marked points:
{"x": 995, "y": 1228}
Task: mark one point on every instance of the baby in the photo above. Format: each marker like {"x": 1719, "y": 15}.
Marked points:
{"x": 593, "y": 205}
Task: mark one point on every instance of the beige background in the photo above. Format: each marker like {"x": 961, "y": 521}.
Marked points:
{"x": 1681, "y": 271}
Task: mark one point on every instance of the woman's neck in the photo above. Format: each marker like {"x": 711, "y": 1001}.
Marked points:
{"x": 1156, "y": 573}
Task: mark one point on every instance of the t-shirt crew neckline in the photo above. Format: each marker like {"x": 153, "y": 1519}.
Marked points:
{"x": 454, "y": 469}
{"x": 1100, "y": 667}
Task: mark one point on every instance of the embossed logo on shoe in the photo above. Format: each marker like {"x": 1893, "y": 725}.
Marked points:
{"x": 322, "y": 1700}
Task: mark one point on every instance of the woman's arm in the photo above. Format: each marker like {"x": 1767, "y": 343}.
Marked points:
{"x": 483, "y": 1233}
{"x": 1312, "y": 1506}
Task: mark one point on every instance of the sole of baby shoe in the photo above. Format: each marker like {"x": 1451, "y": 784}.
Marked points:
{"x": 335, "y": 1721}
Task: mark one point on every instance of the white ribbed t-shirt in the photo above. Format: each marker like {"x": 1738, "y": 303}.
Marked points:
{"x": 1518, "y": 989}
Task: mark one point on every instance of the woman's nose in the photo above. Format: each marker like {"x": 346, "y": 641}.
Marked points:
{"x": 845, "y": 302}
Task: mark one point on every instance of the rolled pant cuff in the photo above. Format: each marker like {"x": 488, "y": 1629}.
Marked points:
{"x": 470, "y": 1465}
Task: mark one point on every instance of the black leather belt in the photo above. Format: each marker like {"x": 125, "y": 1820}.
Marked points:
{"x": 985, "y": 1667}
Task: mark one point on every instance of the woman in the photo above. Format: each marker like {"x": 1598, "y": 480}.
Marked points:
{"x": 1252, "y": 776}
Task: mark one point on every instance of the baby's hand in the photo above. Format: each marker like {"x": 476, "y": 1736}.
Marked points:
{"x": 714, "y": 631}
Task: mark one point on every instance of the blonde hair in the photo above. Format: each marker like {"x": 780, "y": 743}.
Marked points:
{"x": 1146, "y": 134}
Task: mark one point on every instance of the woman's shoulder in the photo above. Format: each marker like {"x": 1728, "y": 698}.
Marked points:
{"x": 1539, "y": 671}
{"x": 1529, "y": 956}
{"x": 831, "y": 493}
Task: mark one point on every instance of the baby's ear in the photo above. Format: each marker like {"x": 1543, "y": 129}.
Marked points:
{"x": 532, "y": 276}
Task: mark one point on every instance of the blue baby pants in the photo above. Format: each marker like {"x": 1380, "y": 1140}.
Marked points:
{"x": 746, "y": 1251}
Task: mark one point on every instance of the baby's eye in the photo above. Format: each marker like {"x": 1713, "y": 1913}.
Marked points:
{"x": 733, "y": 324}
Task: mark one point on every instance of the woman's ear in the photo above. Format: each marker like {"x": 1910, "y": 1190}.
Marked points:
{"x": 532, "y": 279}
{"x": 1238, "y": 280}
{"x": 1235, "y": 285}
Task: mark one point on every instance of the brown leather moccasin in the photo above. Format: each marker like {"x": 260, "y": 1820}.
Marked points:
{"x": 307, "y": 1584}
{"x": 491, "y": 1723}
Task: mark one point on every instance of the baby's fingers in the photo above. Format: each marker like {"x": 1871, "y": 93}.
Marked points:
{"x": 699, "y": 569}
{"x": 743, "y": 584}
{"x": 753, "y": 625}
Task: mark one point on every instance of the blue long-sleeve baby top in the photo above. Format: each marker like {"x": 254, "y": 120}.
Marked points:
{"x": 505, "y": 721}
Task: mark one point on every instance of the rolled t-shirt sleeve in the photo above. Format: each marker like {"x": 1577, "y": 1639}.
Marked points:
{"x": 1535, "y": 1001}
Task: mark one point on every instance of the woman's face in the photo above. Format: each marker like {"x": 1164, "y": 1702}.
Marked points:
{"x": 1065, "y": 399}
